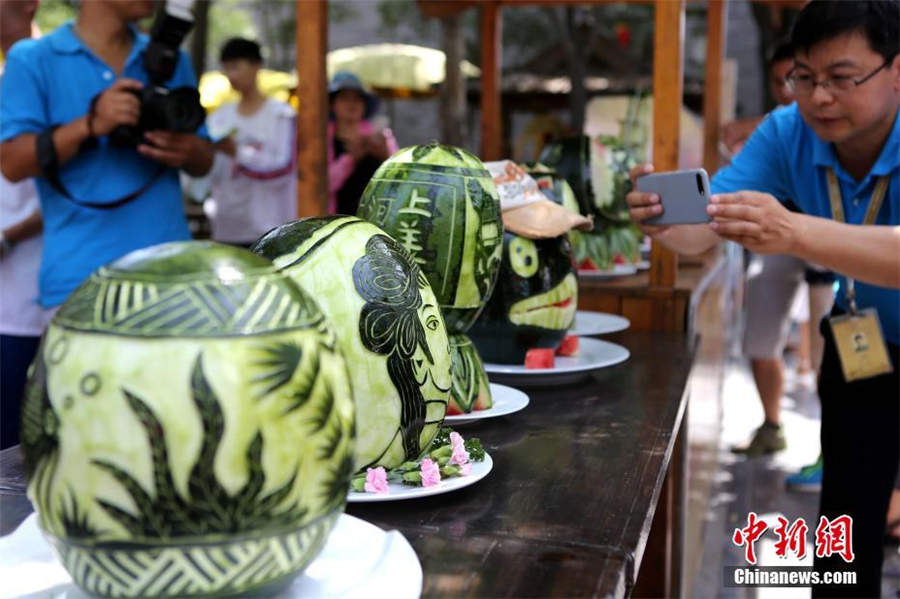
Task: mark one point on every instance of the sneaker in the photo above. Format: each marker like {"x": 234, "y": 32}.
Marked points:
{"x": 767, "y": 439}
{"x": 808, "y": 479}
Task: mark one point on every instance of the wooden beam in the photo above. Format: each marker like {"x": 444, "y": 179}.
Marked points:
{"x": 716, "y": 11}
{"x": 565, "y": 2}
{"x": 439, "y": 9}
{"x": 668, "y": 71}
{"x": 491, "y": 123}
{"x": 312, "y": 118}
{"x": 443, "y": 8}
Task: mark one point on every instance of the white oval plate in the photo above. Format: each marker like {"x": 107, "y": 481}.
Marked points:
{"x": 506, "y": 401}
{"x": 597, "y": 323}
{"x": 399, "y": 492}
{"x": 358, "y": 561}
{"x": 593, "y": 354}
{"x": 618, "y": 270}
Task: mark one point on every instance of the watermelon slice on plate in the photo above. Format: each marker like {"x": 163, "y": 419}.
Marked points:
{"x": 568, "y": 347}
{"x": 539, "y": 357}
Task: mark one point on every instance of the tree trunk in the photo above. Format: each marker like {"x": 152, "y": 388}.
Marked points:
{"x": 578, "y": 94}
{"x": 453, "y": 90}
{"x": 574, "y": 45}
{"x": 199, "y": 36}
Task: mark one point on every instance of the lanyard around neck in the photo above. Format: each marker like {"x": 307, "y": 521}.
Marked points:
{"x": 837, "y": 213}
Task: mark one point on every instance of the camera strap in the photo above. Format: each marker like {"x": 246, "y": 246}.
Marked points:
{"x": 49, "y": 165}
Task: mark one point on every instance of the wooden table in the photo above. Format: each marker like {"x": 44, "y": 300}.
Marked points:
{"x": 568, "y": 507}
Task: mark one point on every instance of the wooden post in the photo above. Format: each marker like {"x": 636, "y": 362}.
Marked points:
{"x": 312, "y": 119}
{"x": 667, "y": 91}
{"x": 712, "y": 92}
{"x": 453, "y": 89}
{"x": 491, "y": 36}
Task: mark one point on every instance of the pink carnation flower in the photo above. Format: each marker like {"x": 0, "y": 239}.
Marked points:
{"x": 431, "y": 474}
{"x": 376, "y": 480}
{"x": 460, "y": 455}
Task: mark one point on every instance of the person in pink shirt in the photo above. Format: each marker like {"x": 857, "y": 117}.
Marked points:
{"x": 356, "y": 147}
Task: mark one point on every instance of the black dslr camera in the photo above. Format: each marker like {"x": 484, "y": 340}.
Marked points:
{"x": 162, "y": 108}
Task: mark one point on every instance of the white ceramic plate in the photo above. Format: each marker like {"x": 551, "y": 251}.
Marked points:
{"x": 359, "y": 561}
{"x": 506, "y": 401}
{"x": 399, "y": 492}
{"x": 593, "y": 354}
{"x": 618, "y": 270}
{"x": 597, "y": 323}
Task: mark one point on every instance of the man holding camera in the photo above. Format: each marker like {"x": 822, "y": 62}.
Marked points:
{"x": 79, "y": 108}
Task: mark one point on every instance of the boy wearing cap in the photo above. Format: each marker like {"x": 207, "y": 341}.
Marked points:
{"x": 254, "y": 180}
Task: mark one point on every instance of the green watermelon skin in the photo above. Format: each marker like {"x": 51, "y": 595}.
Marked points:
{"x": 187, "y": 400}
{"x": 388, "y": 324}
{"x": 442, "y": 205}
{"x": 597, "y": 171}
{"x": 520, "y": 315}
{"x": 554, "y": 186}
{"x": 471, "y": 390}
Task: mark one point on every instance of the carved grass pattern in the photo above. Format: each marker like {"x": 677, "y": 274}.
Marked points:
{"x": 208, "y": 508}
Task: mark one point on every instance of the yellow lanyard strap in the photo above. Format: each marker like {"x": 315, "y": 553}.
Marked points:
{"x": 837, "y": 213}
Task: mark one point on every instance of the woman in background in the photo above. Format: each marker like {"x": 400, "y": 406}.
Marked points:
{"x": 356, "y": 147}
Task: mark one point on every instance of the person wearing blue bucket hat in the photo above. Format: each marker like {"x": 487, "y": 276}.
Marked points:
{"x": 356, "y": 146}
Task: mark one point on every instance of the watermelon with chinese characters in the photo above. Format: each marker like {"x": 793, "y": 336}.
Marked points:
{"x": 441, "y": 204}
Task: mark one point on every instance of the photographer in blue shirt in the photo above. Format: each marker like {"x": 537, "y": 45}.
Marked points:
{"x": 836, "y": 154}
{"x": 65, "y": 98}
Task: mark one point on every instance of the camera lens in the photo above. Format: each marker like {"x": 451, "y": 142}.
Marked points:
{"x": 183, "y": 111}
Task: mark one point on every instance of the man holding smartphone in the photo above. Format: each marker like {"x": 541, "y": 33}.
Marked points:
{"x": 836, "y": 154}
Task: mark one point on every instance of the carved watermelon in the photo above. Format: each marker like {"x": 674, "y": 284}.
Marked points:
{"x": 188, "y": 410}
{"x": 388, "y": 324}
{"x": 597, "y": 171}
{"x": 534, "y": 302}
{"x": 554, "y": 186}
{"x": 441, "y": 204}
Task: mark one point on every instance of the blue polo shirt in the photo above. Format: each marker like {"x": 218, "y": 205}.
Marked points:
{"x": 51, "y": 81}
{"x": 785, "y": 158}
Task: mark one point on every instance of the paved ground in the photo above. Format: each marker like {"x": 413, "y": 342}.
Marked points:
{"x": 741, "y": 485}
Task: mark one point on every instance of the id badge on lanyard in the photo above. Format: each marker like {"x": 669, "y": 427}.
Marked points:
{"x": 857, "y": 335}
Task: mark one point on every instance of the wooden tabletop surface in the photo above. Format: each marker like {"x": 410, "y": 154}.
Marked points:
{"x": 566, "y": 509}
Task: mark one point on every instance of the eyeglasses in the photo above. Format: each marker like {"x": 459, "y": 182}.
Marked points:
{"x": 803, "y": 84}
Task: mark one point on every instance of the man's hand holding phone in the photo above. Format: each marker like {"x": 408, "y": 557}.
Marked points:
{"x": 643, "y": 205}
{"x": 753, "y": 219}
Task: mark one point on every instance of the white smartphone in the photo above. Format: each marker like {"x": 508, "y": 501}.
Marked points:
{"x": 684, "y": 196}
